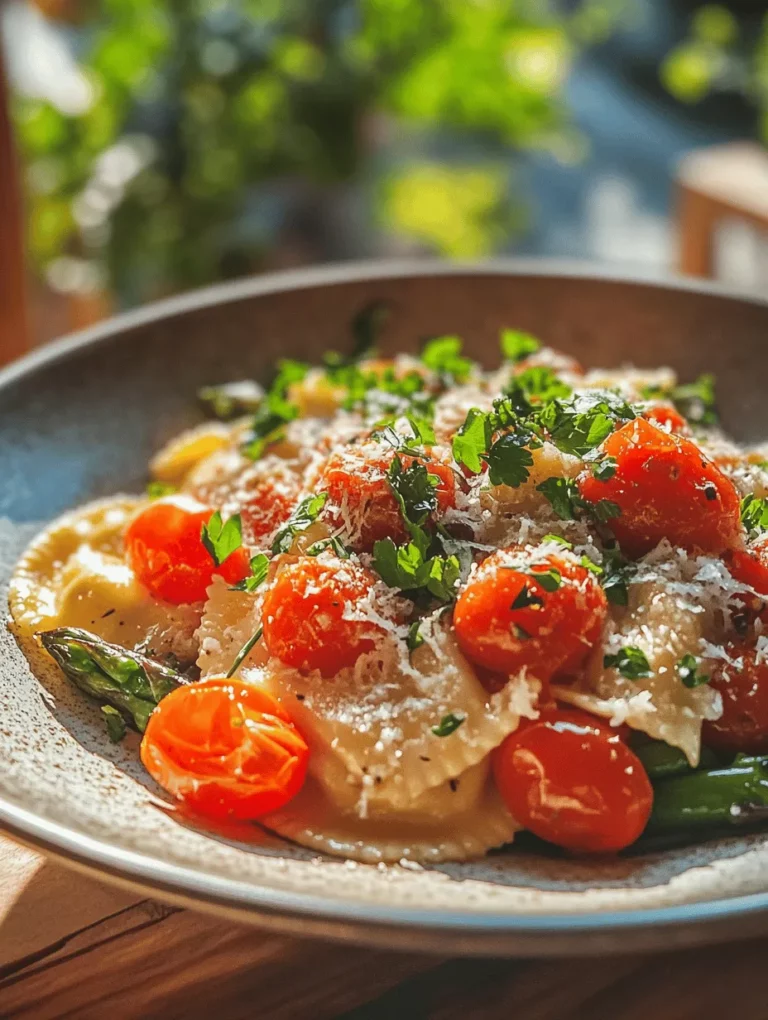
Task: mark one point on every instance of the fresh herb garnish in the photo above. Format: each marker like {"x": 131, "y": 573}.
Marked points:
{"x": 448, "y": 725}
{"x": 306, "y": 513}
{"x": 558, "y": 540}
{"x": 334, "y": 542}
{"x": 415, "y": 638}
{"x": 231, "y": 400}
{"x": 630, "y": 661}
{"x": 275, "y": 411}
{"x": 422, "y": 434}
{"x": 525, "y": 599}
{"x": 604, "y": 468}
{"x": 414, "y": 489}
{"x": 222, "y": 539}
{"x": 443, "y": 356}
{"x": 517, "y": 345}
{"x": 581, "y": 423}
{"x": 534, "y": 386}
{"x": 563, "y": 496}
{"x": 157, "y": 490}
{"x": 687, "y": 670}
{"x": 472, "y": 440}
{"x": 244, "y": 651}
{"x": 695, "y": 401}
{"x": 603, "y": 510}
{"x": 615, "y": 577}
{"x": 509, "y": 458}
{"x": 549, "y": 578}
{"x": 754, "y": 514}
{"x": 258, "y": 575}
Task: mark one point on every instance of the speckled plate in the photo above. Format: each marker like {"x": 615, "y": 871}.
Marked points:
{"x": 80, "y": 419}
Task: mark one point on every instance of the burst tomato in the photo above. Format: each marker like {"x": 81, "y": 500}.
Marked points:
{"x": 304, "y": 616}
{"x": 743, "y": 726}
{"x": 665, "y": 487}
{"x": 570, "y": 779}
{"x": 356, "y": 478}
{"x": 667, "y": 418}
{"x": 545, "y": 615}
{"x": 226, "y": 749}
{"x": 165, "y": 550}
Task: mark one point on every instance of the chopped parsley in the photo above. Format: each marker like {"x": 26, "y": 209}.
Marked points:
{"x": 615, "y": 577}
{"x": 230, "y": 400}
{"x": 581, "y": 423}
{"x": 563, "y": 496}
{"x": 334, "y": 542}
{"x": 157, "y": 490}
{"x": 509, "y": 459}
{"x": 443, "y": 356}
{"x": 687, "y": 670}
{"x": 536, "y": 385}
{"x": 525, "y": 599}
{"x": 244, "y": 651}
{"x": 604, "y": 468}
{"x": 414, "y": 489}
{"x": 257, "y": 577}
{"x": 517, "y": 345}
{"x": 448, "y": 725}
{"x": 630, "y": 661}
{"x": 558, "y": 540}
{"x": 695, "y": 401}
{"x": 222, "y": 539}
{"x": 422, "y": 434}
{"x": 275, "y": 411}
{"x": 473, "y": 439}
{"x": 550, "y": 578}
{"x": 415, "y": 638}
{"x": 306, "y": 513}
{"x": 754, "y": 514}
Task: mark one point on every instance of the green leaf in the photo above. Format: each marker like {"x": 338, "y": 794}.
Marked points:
{"x": 580, "y": 424}
{"x": 558, "y": 540}
{"x": 509, "y": 459}
{"x": 259, "y": 568}
{"x": 525, "y": 598}
{"x": 516, "y": 345}
{"x": 687, "y": 671}
{"x": 443, "y": 356}
{"x": 221, "y": 539}
{"x": 591, "y": 566}
{"x": 563, "y": 496}
{"x": 414, "y": 489}
{"x": 537, "y": 385}
{"x": 334, "y": 542}
{"x": 696, "y": 401}
{"x": 550, "y": 579}
{"x": 115, "y": 723}
{"x": 415, "y": 638}
{"x": 630, "y": 661}
{"x": 604, "y": 468}
{"x": 604, "y": 510}
{"x": 306, "y": 513}
{"x": 615, "y": 579}
{"x": 157, "y": 490}
{"x": 231, "y": 400}
{"x": 396, "y": 566}
{"x": 448, "y": 725}
{"x": 442, "y": 577}
{"x": 472, "y": 440}
{"x": 754, "y": 514}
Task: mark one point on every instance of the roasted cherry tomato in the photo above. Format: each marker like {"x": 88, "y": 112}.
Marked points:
{"x": 665, "y": 487}
{"x": 570, "y": 779}
{"x": 356, "y": 478}
{"x": 544, "y": 613}
{"x": 226, "y": 749}
{"x": 667, "y": 418}
{"x": 267, "y": 505}
{"x": 743, "y": 726}
{"x": 304, "y": 616}
{"x": 165, "y": 550}
{"x": 750, "y": 566}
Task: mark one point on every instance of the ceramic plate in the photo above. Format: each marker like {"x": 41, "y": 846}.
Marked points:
{"x": 80, "y": 419}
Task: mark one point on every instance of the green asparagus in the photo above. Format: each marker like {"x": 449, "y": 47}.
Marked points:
{"x": 661, "y": 761}
{"x": 128, "y": 681}
{"x": 711, "y": 798}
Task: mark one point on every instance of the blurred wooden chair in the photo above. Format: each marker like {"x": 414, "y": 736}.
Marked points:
{"x": 715, "y": 186}
{"x": 14, "y": 326}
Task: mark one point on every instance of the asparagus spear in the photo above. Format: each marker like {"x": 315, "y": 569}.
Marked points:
{"x": 661, "y": 761}
{"x": 128, "y": 681}
{"x": 711, "y": 798}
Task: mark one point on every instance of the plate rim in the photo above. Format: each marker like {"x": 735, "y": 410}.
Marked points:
{"x": 427, "y": 930}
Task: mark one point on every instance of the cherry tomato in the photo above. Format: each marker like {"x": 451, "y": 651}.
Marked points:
{"x": 665, "y": 487}
{"x": 571, "y": 780}
{"x": 667, "y": 418}
{"x": 226, "y": 749}
{"x": 506, "y": 619}
{"x": 750, "y": 566}
{"x": 166, "y": 553}
{"x": 356, "y": 478}
{"x": 268, "y": 505}
{"x": 743, "y": 726}
{"x": 303, "y": 616}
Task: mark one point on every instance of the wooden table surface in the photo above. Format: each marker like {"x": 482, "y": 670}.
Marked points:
{"x": 72, "y": 947}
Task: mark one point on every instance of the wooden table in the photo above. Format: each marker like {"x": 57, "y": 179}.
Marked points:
{"x": 72, "y": 947}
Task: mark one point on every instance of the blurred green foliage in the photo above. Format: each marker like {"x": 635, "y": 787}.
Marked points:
{"x": 200, "y": 107}
{"x": 723, "y": 52}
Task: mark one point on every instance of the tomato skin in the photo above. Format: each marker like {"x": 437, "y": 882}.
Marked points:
{"x": 357, "y": 478}
{"x": 165, "y": 550}
{"x": 560, "y": 630}
{"x": 750, "y": 566}
{"x": 266, "y": 508}
{"x": 743, "y": 726}
{"x": 665, "y": 488}
{"x": 303, "y": 614}
{"x": 227, "y": 749}
{"x": 668, "y": 418}
{"x": 570, "y": 779}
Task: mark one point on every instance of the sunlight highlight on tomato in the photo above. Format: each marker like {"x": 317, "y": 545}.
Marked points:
{"x": 569, "y": 778}
{"x": 228, "y": 750}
